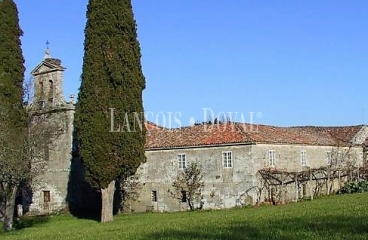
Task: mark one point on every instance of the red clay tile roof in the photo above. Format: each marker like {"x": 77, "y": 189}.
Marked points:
{"x": 237, "y": 133}
{"x": 309, "y": 135}
{"x": 151, "y": 126}
{"x": 194, "y": 136}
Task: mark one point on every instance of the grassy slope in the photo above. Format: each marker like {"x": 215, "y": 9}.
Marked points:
{"x": 335, "y": 217}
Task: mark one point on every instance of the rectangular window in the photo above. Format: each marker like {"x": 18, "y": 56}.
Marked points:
{"x": 41, "y": 104}
{"x": 329, "y": 158}
{"x": 182, "y": 161}
{"x": 154, "y": 196}
{"x": 271, "y": 158}
{"x": 183, "y": 196}
{"x": 339, "y": 157}
{"x": 227, "y": 159}
{"x": 51, "y": 101}
{"x": 46, "y": 196}
{"x": 303, "y": 157}
{"x": 46, "y": 150}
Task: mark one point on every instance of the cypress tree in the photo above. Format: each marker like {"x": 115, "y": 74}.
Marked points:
{"x": 12, "y": 113}
{"x": 110, "y": 95}
{"x": 11, "y": 66}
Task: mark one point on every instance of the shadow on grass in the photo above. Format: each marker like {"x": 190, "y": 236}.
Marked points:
{"x": 326, "y": 227}
{"x": 27, "y": 222}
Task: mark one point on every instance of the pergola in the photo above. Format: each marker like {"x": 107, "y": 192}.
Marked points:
{"x": 274, "y": 178}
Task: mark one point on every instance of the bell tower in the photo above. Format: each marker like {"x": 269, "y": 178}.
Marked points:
{"x": 50, "y": 187}
{"x": 48, "y": 82}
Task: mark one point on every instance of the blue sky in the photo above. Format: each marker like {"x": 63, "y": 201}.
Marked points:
{"x": 301, "y": 62}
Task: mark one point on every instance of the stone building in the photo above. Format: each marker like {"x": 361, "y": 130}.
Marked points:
{"x": 49, "y": 190}
{"x": 231, "y": 155}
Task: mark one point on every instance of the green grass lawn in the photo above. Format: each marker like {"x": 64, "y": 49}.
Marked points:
{"x": 334, "y": 217}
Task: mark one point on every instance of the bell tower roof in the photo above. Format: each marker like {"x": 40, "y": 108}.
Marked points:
{"x": 48, "y": 65}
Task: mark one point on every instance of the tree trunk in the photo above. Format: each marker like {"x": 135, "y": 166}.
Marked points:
{"x": 190, "y": 205}
{"x": 190, "y": 200}
{"x": 282, "y": 189}
{"x": 296, "y": 191}
{"x": 310, "y": 185}
{"x": 107, "y": 195}
{"x": 9, "y": 208}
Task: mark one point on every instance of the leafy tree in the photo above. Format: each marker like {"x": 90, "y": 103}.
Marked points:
{"x": 111, "y": 91}
{"x": 188, "y": 185}
{"x": 12, "y": 113}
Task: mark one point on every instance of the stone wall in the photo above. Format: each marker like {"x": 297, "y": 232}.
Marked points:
{"x": 223, "y": 187}
{"x": 227, "y": 187}
{"x": 50, "y": 188}
{"x": 288, "y": 158}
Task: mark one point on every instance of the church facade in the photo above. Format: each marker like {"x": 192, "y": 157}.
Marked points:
{"x": 49, "y": 189}
{"x": 230, "y": 155}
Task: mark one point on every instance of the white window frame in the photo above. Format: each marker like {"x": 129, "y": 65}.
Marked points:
{"x": 339, "y": 157}
{"x": 303, "y": 158}
{"x": 227, "y": 159}
{"x": 271, "y": 158}
{"x": 329, "y": 158}
{"x": 182, "y": 161}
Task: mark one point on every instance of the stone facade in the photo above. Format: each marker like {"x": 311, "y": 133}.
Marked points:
{"x": 49, "y": 190}
{"x": 224, "y": 186}
{"x": 289, "y": 157}
{"x": 48, "y": 83}
{"x": 294, "y": 149}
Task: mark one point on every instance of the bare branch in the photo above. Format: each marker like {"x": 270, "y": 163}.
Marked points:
{"x": 190, "y": 182}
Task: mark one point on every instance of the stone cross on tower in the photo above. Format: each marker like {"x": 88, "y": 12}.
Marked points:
{"x": 47, "y": 51}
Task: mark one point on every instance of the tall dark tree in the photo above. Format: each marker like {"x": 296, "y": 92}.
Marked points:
{"x": 110, "y": 95}
{"x": 11, "y": 65}
{"x": 12, "y": 113}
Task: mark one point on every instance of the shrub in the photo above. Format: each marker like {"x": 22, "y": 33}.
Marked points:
{"x": 354, "y": 187}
